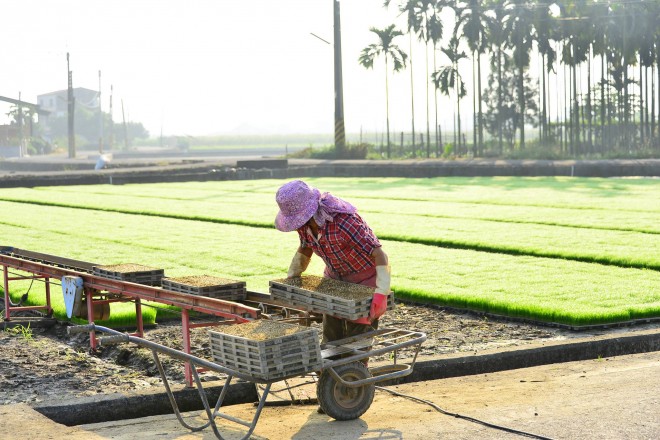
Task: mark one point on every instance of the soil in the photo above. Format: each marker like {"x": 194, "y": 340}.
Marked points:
{"x": 609, "y": 398}
{"x": 329, "y": 286}
{"x": 41, "y": 364}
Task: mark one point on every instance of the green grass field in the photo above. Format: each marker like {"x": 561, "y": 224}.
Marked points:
{"x": 571, "y": 251}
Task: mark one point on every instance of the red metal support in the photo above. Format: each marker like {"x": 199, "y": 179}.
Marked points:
{"x": 138, "y": 316}
{"x": 7, "y": 297}
{"x": 49, "y": 309}
{"x": 6, "y": 287}
{"x": 90, "y": 317}
{"x": 203, "y": 304}
{"x": 185, "y": 326}
{"x": 49, "y": 266}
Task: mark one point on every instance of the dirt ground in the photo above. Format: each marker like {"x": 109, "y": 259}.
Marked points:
{"x": 610, "y": 398}
{"x": 37, "y": 365}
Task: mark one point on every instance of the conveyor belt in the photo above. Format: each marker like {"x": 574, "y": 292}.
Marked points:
{"x": 53, "y": 260}
{"x": 46, "y": 266}
{"x": 52, "y": 266}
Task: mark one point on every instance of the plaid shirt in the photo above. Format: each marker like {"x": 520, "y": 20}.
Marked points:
{"x": 345, "y": 244}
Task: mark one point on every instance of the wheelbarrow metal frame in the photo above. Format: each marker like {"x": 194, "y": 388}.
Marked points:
{"x": 352, "y": 349}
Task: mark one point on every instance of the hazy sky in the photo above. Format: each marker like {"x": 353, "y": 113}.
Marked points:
{"x": 209, "y": 66}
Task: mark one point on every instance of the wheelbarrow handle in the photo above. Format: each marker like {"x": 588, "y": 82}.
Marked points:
{"x": 80, "y": 329}
{"x": 114, "y": 339}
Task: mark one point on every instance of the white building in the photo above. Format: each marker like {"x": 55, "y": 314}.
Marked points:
{"x": 56, "y": 102}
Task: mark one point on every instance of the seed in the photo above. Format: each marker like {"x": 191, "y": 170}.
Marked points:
{"x": 328, "y": 286}
{"x": 127, "y": 268}
{"x": 262, "y": 330}
{"x": 202, "y": 281}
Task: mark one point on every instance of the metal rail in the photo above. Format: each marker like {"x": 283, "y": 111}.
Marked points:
{"x": 203, "y": 304}
{"x": 51, "y": 266}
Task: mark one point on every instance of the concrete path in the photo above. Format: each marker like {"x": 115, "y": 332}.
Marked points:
{"x": 607, "y": 398}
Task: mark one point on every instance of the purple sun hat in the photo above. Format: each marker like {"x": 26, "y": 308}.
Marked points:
{"x": 298, "y": 202}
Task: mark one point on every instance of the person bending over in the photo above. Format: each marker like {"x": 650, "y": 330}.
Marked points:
{"x": 332, "y": 229}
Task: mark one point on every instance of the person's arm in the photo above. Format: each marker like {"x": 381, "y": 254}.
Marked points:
{"x": 299, "y": 262}
{"x": 379, "y": 300}
{"x": 380, "y": 257}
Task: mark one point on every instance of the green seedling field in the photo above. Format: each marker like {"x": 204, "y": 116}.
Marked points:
{"x": 515, "y": 238}
{"x": 608, "y": 221}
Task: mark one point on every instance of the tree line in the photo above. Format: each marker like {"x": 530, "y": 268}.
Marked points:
{"x": 603, "y": 56}
{"x": 43, "y": 138}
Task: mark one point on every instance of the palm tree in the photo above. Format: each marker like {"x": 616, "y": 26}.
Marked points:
{"x": 410, "y": 7}
{"x": 386, "y": 47}
{"x": 519, "y": 29}
{"x": 574, "y": 53}
{"x": 600, "y": 23}
{"x": 473, "y": 22}
{"x": 448, "y": 77}
{"x": 426, "y": 17}
{"x": 544, "y": 24}
{"x": 654, "y": 17}
{"x": 435, "y": 32}
{"x": 648, "y": 15}
{"x": 498, "y": 38}
{"x": 623, "y": 55}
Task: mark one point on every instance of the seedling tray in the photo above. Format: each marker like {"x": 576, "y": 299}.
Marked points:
{"x": 134, "y": 273}
{"x": 206, "y": 285}
{"x": 324, "y": 295}
{"x": 267, "y": 349}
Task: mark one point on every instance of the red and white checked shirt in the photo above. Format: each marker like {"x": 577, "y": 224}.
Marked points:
{"x": 345, "y": 244}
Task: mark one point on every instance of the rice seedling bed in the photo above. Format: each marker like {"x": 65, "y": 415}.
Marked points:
{"x": 620, "y": 206}
{"x": 540, "y": 289}
{"x": 609, "y": 221}
{"x": 131, "y": 272}
{"x": 456, "y": 212}
{"x": 547, "y": 289}
{"x": 560, "y": 192}
{"x": 267, "y": 349}
{"x": 324, "y": 295}
{"x": 206, "y": 285}
{"x": 520, "y": 284}
{"x": 619, "y": 248}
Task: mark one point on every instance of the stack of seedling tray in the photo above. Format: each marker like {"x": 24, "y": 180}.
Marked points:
{"x": 324, "y": 295}
{"x": 267, "y": 350}
{"x": 206, "y": 285}
{"x": 134, "y": 273}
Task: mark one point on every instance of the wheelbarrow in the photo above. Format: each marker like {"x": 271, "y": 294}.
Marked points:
{"x": 345, "y": 387}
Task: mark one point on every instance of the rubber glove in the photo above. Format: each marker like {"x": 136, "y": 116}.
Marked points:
{"x": 298, "y": 265}
{"x": 379, "y": 300}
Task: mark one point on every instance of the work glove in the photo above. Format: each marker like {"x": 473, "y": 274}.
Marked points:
{"x": 365, "y": 320}
{"x": 379, "y": 300}
{"x": 298, "y": 265}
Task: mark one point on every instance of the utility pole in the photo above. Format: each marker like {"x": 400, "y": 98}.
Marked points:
{"x": 100, "y": 118}
{"x": 19, "y": 121}
{"x": 111, "y": 139}
{"x": 340, "y": 130}
{"x": 125, "y": 129}
{"x": 70, "y": 108}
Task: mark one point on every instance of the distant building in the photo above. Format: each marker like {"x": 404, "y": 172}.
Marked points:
{"x": 8, "y": 135}
{"x": 56, "y": 102}
{"x": 9, "y": 141}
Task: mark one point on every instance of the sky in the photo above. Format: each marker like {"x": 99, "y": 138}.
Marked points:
{"x": 203, "y": 67}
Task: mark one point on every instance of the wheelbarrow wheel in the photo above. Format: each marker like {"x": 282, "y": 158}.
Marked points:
{"x": 340, "y": 401}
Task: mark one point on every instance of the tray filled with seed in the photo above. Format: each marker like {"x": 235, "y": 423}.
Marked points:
{"x": 134, "y": 273}
{"x": 267, "y": 349}
{"x": 325, "y": 295}
{"x": 207, "y": 285}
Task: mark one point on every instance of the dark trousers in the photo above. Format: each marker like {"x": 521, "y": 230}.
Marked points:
{"x": 337, "y": 328}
